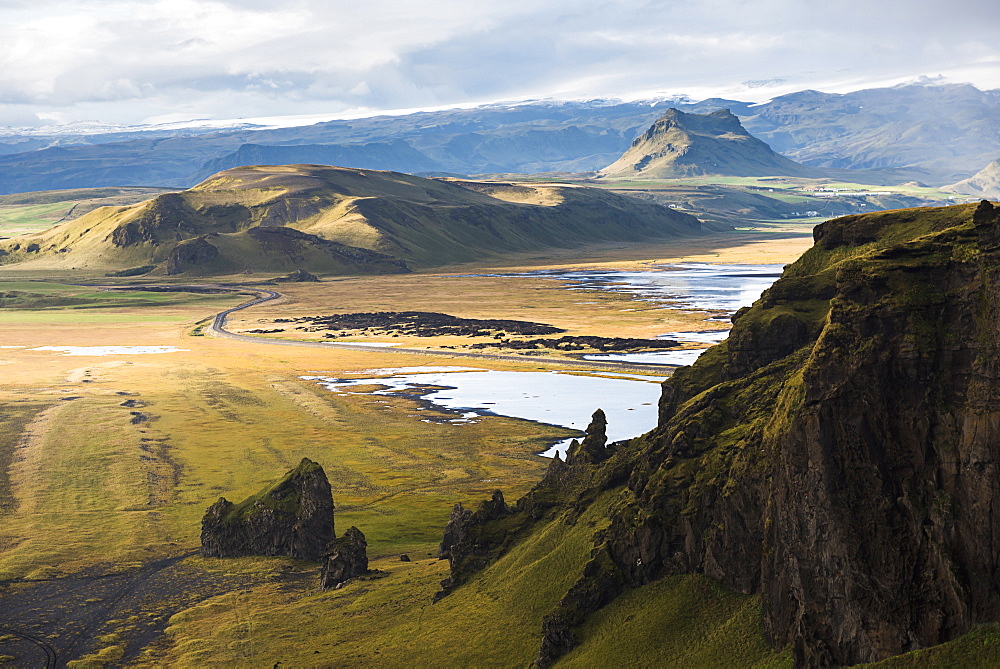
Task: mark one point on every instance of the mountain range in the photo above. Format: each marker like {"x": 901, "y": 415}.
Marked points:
{"x": 942, "y": 133}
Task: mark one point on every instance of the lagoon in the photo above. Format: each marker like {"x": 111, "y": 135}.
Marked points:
{"x": 557, "y": 398}
{"x": 718, "y": 290}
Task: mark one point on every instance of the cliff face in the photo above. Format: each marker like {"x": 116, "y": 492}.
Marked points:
{"x": 838, "y": 455}
{"x": 883, "y": 536}
{"x": 292, "y": 516}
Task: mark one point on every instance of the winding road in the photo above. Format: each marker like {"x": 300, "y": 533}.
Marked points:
{"x": 218, "y": 328}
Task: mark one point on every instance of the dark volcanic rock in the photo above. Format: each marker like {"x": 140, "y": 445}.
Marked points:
{"x": 422, "y": 324}
{"x": 454, "y": 531}
{"x": 593, "y": 448}
{"x": 298, "y": 276}
{"x": 292, "y": 516}
{"x": 576, "y": 343}
{"x": 347, "y": 558}
{"x": 470, "y": 542}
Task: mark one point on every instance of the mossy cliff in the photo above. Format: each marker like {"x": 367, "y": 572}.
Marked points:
{"x": 837, "y": 456}
{"x": 292, "y": 516}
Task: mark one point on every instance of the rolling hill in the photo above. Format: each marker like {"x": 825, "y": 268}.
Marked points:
{"x": 333, "y": 220}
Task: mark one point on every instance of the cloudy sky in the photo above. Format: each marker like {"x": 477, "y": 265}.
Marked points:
{"x": 134, "y": 61}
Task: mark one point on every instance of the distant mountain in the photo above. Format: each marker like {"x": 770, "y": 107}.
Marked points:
{"x": 338, "y": 221}
{"x": 543, "y": 137}
{"x": 985, "y": 183}
{"x": 945, "y": 131}
{"x": 940, "y": 133}
{"x": 369, "y": 156}
{"x": 685, "y": 145}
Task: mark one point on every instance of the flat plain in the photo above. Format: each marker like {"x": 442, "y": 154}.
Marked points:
{"x": 110, "y": 461}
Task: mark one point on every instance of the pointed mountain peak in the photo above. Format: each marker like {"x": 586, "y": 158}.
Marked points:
{"x": 679, "y": 144}
{"x": 984, "y": 183}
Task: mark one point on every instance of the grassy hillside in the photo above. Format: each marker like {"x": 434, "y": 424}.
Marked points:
{"x": 23, "y": 213}
{"x": 335, "y": 220}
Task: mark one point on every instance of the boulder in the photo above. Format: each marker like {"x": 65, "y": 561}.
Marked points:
{"x": 347, "y": 558}
{"x": 298, "y": 276}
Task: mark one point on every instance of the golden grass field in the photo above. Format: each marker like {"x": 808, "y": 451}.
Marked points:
{"x": 90, "y": 486}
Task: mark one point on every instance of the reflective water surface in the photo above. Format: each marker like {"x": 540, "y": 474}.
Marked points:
{"x": 556, "y": 398}
{"x": 719, "y": 290}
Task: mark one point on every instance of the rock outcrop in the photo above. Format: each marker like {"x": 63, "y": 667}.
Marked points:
{"x": 593, "y": 448}
{"x": 298, "y": 276}
{"x": 292, "y": 516}
{"x": 346, "y": 559}
{"x": 837, "y": 456}
{"x": 470, "y": 541}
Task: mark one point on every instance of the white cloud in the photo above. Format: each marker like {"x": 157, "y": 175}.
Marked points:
{"x": 128, "y": 60}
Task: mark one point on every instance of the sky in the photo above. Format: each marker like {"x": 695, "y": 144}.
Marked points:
{"x": 156, "y": 61}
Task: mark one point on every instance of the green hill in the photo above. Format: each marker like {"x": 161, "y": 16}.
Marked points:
{"x": 337, "y": 220}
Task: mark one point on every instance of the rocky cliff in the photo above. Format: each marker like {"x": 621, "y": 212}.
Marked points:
{"x": 292, "y": 516}
{"x": 837, "y": 456}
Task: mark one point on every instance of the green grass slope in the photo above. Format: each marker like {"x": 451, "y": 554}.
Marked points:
{"x": 338, "y": 220}
{"x": 24, "y": 213}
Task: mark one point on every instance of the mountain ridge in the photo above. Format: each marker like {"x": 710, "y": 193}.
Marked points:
{"x": 984, "y": 183}
{"x": 337, "y": 220}
{"x": 941, "y": 133}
